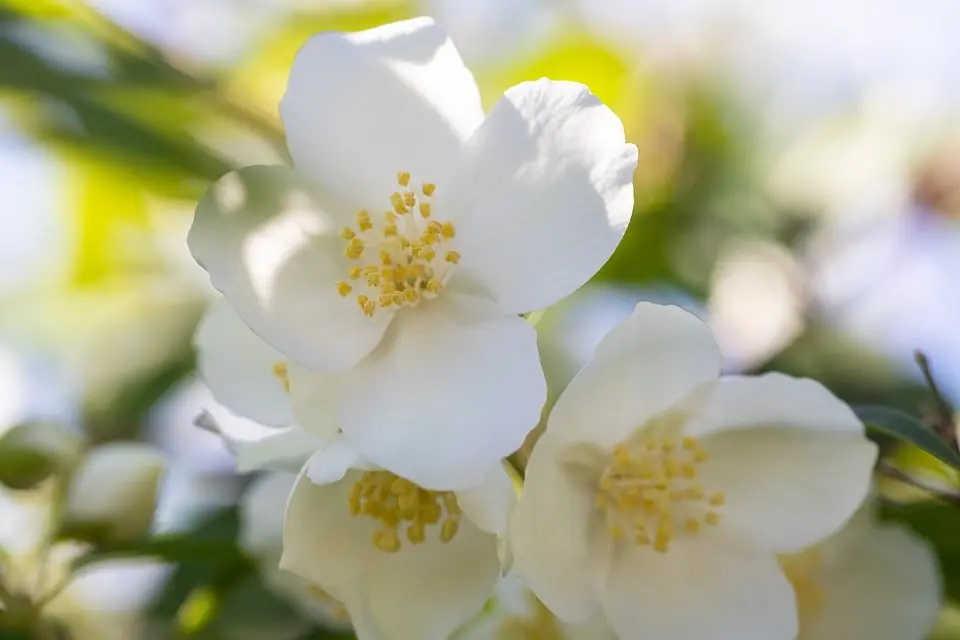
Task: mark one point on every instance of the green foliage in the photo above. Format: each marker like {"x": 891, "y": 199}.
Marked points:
{"x": 900, "y": 426}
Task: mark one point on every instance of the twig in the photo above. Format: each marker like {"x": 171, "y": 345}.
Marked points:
{"x": 944, "y": 424}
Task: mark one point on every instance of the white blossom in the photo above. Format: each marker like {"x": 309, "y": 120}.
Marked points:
{"x": 660, "y": 493}
{"x": 871, "y": 580}
{"x": 393, "y": 262}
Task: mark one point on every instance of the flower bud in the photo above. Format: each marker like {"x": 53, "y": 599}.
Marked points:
{"x": 31, "y": 452}
{"x": 114, "y": 493}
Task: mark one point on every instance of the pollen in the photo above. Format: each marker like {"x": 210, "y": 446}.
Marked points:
{"x": 650, "y": 492}
{"x": 400, "y": 259}
{"x": 280, "y": 371}
{"x": 405, "y": 511}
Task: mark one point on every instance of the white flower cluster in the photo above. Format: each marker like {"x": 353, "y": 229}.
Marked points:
{"x": 371, "y": 333}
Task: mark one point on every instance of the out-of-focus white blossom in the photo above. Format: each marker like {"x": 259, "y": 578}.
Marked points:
{"x": 870, "y": 580}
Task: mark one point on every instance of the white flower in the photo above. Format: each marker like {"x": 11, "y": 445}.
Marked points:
{"x": 408, "y": 563}
{"x": 102, "y": 601}
{"x": 661, "y": 493}
{"x": 115, "y": 490}
{"x": 261, "y": 536}
{"x": 870, "y": 580}
{"x": 413, "y": 232}
{"x": 514, "y": 613}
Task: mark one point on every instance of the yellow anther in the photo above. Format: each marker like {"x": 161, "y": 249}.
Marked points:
{"x": 650, "y": 493}
{"x": 449, "y": 529}
{"x": 400, "y": 269}
{"x": 354, "y": 249}
{"x": 280, "y": 371}
{"x": 397, "y": 503}
{"x": 718, "y": 500}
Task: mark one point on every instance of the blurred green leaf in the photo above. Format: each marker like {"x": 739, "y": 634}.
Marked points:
{"x": 31, "y": 452}
{"x": 899, "y": 425}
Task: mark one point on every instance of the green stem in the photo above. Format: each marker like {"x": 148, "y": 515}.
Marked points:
{"x": 887, "y": 469}
{"x": 945, "y": 423}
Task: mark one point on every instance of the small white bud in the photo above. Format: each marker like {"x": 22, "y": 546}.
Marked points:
{"x": 31, "y": 452}
{"x": 114, "y": 493}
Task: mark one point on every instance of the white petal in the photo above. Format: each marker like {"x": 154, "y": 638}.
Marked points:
{"x": 269, "y": 241}
{"x": 322, "y": 542}
{"x": 315, "y": 397}
{"x": 787, "y": 488}
{"x": 362, "y": 107}
{"x": 238, "y": 367}
{"x": 546, "y": 196}
{"x": 261, "y": 513}
{"x": 878, "y": 581}
{"x": 489, "y": 505}
{"x": 425, "y": 592}
{"x": 332, "y": 461}
{"x": 646, "y": 364}
{"x": 258, "y": 447}
{"x": 699, "y": 591}
{"x": 741, "y": 402}
{"x": 559, "y": 545}
{"x": 454, "y": 388}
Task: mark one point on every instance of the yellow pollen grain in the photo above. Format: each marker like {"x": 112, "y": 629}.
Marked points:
{"x": 408, "y": 248}
{"x": 281, "y": 372}
{"x": 650, "y": 492}
{"x": 403, "y": 510}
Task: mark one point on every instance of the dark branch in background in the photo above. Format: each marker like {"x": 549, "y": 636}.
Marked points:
{"x": 942, "y": 420}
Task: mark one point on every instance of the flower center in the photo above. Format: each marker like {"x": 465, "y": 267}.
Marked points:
{"x": 402, "y": 255}
{"x": 802, "y": 570}
{"x": 282, "y": 374}
{"x": 651, "y": 492}
{"x": 538, "y": 625}
{"x": 398, "y": 503}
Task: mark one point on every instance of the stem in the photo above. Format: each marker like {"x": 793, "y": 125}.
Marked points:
{"x": 891, "y": 471}
{"x": 944, "y": 426}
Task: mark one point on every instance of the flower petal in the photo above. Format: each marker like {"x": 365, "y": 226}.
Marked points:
{"x": 489, "y": 505}
{"x": 332, "y": 461}
{"x": 647, "y": 363}
{"x": 787, "y": 488}
{"x": 258, "y": 447}
{"x": 739, "y": 402}
{"x": 261, "y": 513}
{"x": 699, "y": 591}
{"x": 315, "y": 399}
{"x": 546, "y": 196}
{"x": 878, "y": 581}
{"x": 269, "y": 241}
{"x": 238, "y": 368}
{"x": 362, "y": 107}
{"x": 454, "y": 388}
{"x": 426, "y": 591}
{"x": 322, "y": 542}
{"x": 806, "y": 445}
{"x": 556, "y": 538}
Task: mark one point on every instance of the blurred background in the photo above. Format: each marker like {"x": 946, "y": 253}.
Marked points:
{"x": 798, "y": 188}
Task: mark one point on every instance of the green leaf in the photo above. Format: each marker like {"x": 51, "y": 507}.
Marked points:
{"x": 901, "y": 426}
